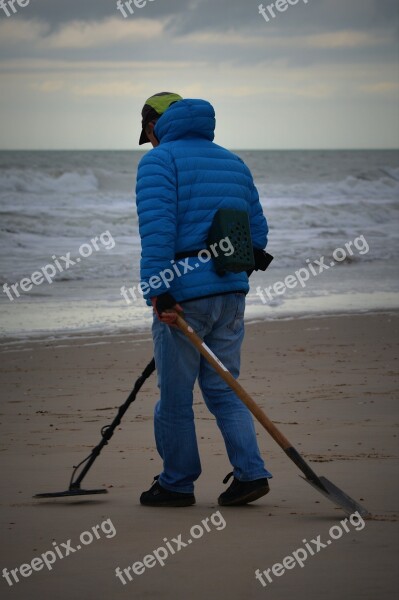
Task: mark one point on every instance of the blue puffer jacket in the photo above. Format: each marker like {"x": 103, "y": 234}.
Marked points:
{"x": 180, "y": 185}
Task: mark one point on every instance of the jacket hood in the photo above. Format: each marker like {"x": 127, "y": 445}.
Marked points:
{"x": 186, "y": 118}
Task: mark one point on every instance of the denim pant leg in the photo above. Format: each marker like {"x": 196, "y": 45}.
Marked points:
{"x": 233, "y": 417}
{"x": 177, "y": 362}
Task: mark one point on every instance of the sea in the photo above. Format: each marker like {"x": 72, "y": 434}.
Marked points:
{"x": 333, "y": 228}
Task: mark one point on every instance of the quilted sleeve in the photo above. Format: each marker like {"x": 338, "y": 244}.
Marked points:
{"x": 156, "y": 199}
{"x": 258, "y": 223}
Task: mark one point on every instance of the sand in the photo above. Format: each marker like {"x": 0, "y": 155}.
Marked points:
{"x": 328, "y": 383}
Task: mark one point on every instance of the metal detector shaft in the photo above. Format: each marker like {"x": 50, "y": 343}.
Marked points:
{"x": 108, "y": 430}
{"x": 322, "y": 484}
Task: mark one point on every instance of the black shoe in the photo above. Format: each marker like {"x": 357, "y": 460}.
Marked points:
{"x": 243, "y": 492}
{"x": 158, "y": 496}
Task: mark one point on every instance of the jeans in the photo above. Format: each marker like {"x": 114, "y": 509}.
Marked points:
{"x": 219, "y": 321}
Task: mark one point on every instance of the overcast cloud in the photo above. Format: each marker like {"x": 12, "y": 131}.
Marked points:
{"x": 75, "y": 73}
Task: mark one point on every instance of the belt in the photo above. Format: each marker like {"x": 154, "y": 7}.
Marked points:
{"x": 189, "y": 253}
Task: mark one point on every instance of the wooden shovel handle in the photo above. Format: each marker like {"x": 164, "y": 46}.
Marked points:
{"x": 331, "y": 491}
{"x": 233, "y": 383}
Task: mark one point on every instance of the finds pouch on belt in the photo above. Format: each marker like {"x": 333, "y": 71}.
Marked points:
{"x": 231, "y": 227}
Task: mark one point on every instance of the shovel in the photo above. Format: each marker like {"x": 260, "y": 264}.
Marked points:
{"x": 321, "y": 484}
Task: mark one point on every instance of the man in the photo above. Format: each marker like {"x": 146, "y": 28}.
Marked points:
{"x": 181, "y": 184}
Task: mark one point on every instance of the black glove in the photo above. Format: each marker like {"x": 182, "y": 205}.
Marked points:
{"x": 262, "y": 260}
{"x": 163, "y": 302}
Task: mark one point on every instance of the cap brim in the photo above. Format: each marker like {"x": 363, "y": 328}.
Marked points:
{"x": 143, "y": 138}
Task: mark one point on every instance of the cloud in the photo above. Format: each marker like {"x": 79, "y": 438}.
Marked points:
{"x": 382, "y": 87}
{"x": 49, "y": 87}
{"x": 81, "y": 57}
{"x": 185, "y": 16}
{"x": 15, "y": 32}
{"x": 60, "y": 12}
{"x": 330, "y": 40}
{"x": 232, "y": 31}
{"x": 93, "y": 34}
{"x": 326, "y": 15}
{"x": 346, "y": 39}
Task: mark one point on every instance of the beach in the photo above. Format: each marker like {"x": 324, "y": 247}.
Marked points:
{"x": 329, "y": 383}
{"x": 277, "y": 141}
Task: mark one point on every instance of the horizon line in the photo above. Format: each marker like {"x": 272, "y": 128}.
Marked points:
{"x": 232, "y": 149}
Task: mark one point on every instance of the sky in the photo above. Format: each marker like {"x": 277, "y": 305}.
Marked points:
{"x": 321, "y": 74}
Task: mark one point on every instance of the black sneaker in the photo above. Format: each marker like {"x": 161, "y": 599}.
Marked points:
{"x": 243, "y": 492}
{"x": 158, "y": 496}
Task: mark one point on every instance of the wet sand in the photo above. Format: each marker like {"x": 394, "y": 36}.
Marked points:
{"x": 329, "y": 383}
